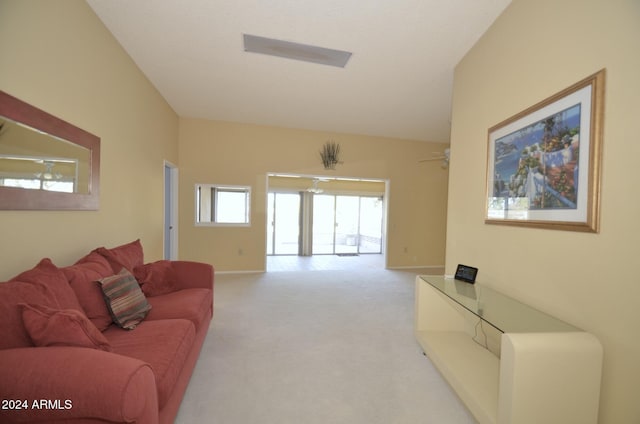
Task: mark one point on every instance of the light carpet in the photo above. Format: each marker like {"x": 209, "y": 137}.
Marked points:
{"x": 316, "y": 347}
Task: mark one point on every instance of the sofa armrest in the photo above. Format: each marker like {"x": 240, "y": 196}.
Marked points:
{"x": 47, "y": 384}
{"x": 193, "y": 274}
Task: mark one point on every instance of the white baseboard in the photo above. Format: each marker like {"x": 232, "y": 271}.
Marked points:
{"x": 242, "y": 272}
{"x": 426, "y": 267}
{"x": 417, "y": 267}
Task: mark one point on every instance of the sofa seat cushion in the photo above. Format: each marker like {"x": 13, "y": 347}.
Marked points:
{"x": 165, "y": 345}
{"x": 192, "y": 304}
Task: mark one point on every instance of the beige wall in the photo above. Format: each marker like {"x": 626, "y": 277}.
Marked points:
{"x": 535, "y": 49}
{"x": 237, "y": 154}
{"x": 57, "y": 56}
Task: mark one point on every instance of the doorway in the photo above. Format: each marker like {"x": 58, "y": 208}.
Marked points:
{"x": 325, "y": 216}
{"x": 170, "y": 211}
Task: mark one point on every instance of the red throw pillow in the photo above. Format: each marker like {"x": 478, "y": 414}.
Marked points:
{"x": 156, "y": 278}
{"x": 128, "y": 255}
{"x": 61, "y": 327}
{"x": 125, "y": 300}
{"x": 83, "y": 277}
{"x": 12, "y": 331}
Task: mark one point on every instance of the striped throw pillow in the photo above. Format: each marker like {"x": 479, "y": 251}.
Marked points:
{"x": 124, "y": 298}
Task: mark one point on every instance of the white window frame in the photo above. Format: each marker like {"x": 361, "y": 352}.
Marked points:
{"x": 212, "y": 210}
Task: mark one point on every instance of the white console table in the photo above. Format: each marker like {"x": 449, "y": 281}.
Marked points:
{"x": 541, "y": 370}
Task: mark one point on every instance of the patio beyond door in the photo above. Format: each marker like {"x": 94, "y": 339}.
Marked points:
{"x": 347, "y": 224}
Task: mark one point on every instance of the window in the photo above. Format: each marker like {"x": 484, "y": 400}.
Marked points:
{"x": 222, "y": 205}
{"x": 38, "y": 184}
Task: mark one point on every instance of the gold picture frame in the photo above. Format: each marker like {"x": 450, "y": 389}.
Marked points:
{"x": 544, "y": 163}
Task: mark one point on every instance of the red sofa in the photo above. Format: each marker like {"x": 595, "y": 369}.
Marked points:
{"x": 64, "y": 356}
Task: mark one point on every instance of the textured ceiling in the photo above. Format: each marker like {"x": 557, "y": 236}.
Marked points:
{"x": 397, "y": 83}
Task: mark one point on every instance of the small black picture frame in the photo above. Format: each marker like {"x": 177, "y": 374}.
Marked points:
{"x": 466, "y": 273}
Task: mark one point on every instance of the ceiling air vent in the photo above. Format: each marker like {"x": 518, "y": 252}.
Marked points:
{"x": 289, "y": 50}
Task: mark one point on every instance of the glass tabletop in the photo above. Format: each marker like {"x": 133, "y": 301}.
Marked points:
{"x": 502, "y": 312}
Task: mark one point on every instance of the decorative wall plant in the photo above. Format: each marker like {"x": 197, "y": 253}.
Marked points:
{"x": 330, "y": 154}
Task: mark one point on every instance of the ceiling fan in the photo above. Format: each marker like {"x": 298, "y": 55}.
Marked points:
{"x": 48, "y": 173}
{"x": 315, "y": 189}
{"x": 439, "y": 156}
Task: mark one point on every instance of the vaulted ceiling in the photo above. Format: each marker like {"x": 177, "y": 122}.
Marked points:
{"x": 397, "y": 83}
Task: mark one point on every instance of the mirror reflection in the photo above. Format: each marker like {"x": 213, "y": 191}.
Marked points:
{"x": 45, "y": 163}
{"x": 32, "y": 159}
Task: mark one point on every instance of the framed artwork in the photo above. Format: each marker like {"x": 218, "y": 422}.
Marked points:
{"x": 543, "y": 165}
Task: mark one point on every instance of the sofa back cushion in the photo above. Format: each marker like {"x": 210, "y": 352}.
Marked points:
{"x": 83, "y": 278}
{"x": 129, "y": 256}
{"x": 45, "y": 273}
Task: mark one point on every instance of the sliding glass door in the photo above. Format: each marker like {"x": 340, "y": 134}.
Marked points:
{"x": 347, "y": 224}
{"x": 341, "y": 224}
{"x": 370, "y": 225}
{"x": 324, "y": 224}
